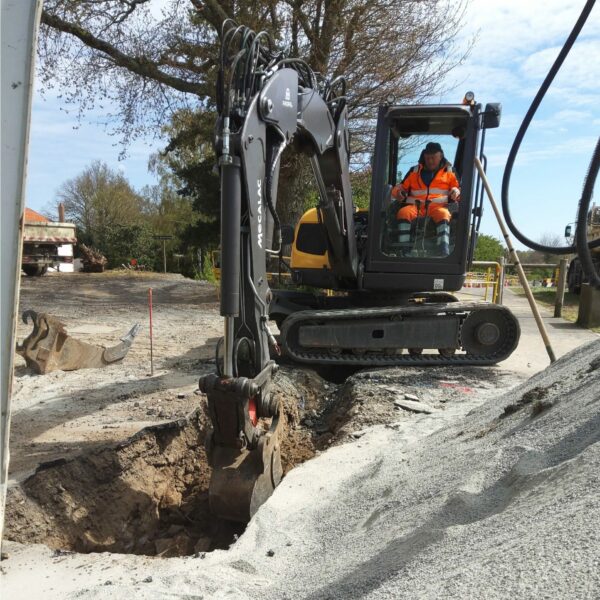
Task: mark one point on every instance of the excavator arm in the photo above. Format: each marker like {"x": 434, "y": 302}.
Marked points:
{"x": 266, "y": 100}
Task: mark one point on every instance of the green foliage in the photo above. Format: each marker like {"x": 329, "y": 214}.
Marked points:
{"x": 207, "y": 273}
{"x": 98, "y": 200}
{"x": 361, "y": 188}
{"x": 360, "y": 182}
{"x": 120, "y": 222}
{"x": 127, "y": 242}
{"x": 169, "y": 213}
{"x": 488, "y": 248}
{"x": 186, "y": 168}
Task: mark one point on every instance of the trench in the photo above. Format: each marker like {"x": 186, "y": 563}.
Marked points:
{"x": 149, "y": 494}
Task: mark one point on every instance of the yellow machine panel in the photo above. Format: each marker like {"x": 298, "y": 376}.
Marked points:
{"x": 309, "y": 250}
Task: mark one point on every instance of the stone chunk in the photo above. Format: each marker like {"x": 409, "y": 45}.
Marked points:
{"x": 413, "y": 406}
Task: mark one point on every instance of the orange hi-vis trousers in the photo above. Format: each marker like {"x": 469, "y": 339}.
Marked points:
{"x": 438, "y": 212}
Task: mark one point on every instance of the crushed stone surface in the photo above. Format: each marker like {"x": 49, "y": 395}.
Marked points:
{"x": 491, "y": 495}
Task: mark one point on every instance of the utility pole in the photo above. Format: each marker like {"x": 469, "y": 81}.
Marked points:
{"x": 164, "y": 239}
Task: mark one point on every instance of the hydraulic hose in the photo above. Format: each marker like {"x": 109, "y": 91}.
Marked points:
{"x": 585, "y": 256}
{"x": 521, "y": 134}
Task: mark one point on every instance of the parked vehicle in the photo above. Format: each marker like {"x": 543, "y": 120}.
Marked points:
{"x": 46, "y": 244}
{"x": 575, "y": 275}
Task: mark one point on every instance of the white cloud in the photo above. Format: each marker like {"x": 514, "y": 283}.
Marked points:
{"x": 532, "y": 152}
{"x": 514, "y": 28}
{"x": 580, "y": 70}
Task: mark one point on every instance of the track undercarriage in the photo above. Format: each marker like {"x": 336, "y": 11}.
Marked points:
{"x": 424, "y": 332}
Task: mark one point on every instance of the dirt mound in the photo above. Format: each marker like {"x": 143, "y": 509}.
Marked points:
{"x": 148, "y": 495}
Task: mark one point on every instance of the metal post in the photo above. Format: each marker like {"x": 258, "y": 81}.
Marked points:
{"x": 151, "y": 334}
{"x": 164, "y": 256}
{"x": 19, "y": 25}
{"x": 517, "y": 263}
{"x": 500, "y": 295}
{"x": 560, "y": 287}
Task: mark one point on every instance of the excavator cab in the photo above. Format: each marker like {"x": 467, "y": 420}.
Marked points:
{"x": 430, "y": 251}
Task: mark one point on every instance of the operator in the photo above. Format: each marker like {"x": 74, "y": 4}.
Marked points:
{"x": 426, "y": 191}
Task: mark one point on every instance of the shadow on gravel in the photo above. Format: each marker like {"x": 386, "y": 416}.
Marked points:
{"x": 33, "y": 422}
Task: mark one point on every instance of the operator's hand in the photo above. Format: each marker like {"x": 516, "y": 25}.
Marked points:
{"x": 454, "y": 194}
{"x": 399, "y": 193}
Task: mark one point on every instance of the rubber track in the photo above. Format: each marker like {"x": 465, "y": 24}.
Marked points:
{"x": 511, "y": 330}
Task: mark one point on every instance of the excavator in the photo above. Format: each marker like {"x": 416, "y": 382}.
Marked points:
{"x": 389, "y": 303}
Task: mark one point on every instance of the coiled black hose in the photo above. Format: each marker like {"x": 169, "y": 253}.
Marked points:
{"x": 521, "y": 134}
{"x": 585, "y": 256}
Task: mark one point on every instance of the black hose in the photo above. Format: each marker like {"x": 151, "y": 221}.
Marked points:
{"x": 585, "y": 256}
{"x": 521, "y": 134}
{"x": 277, "y": 152}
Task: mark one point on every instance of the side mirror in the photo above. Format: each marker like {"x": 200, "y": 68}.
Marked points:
{"x": 491, "y": 115}
{"x": 287, "y": 235}
{"x": 568, "y": 231}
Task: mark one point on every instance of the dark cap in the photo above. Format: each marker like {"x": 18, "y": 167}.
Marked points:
{"x": 432, "y": 148}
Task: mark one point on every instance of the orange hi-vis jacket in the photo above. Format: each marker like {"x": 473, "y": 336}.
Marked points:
{"x": 438, "y": 190}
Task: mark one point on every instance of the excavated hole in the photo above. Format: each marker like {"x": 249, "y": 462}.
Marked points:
{"x": 149, "y": 495}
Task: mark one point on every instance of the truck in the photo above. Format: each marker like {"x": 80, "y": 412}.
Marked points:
{"x": 575, "y": 275}
{"x": 46, "y": 244}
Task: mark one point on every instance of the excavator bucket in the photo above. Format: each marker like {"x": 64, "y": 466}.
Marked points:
{"x": 50, "y": 348}
{"x": 242, "y": 480}
{"x": 245, "y": 459}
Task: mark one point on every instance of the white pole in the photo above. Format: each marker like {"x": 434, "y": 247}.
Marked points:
{"x": 19, "y": 24}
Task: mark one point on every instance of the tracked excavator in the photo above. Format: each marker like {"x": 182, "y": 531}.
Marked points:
{"x": 392, "y": 303}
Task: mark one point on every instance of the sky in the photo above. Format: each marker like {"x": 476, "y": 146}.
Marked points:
{"x": 516, "y": 42}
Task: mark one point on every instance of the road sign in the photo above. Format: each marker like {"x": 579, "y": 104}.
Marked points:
{"x": 162, "y": 237}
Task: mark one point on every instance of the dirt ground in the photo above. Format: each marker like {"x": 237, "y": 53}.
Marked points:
{"x": 113, "y": 459}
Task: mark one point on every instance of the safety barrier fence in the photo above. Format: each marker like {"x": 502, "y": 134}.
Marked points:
{"x": 494, "y": 277}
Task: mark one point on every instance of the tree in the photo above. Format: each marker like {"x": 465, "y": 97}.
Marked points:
{"x": 143, "y": 68}
{"x": 190, "y": 182}
{"x": 125, "y": 56}
{"x": 171, "y": 213}
{"x": 98, "y": 200}
{"x": 553, "y": 240}
{"x": 127, "y": 242}
{"x": 488, "y": 248}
